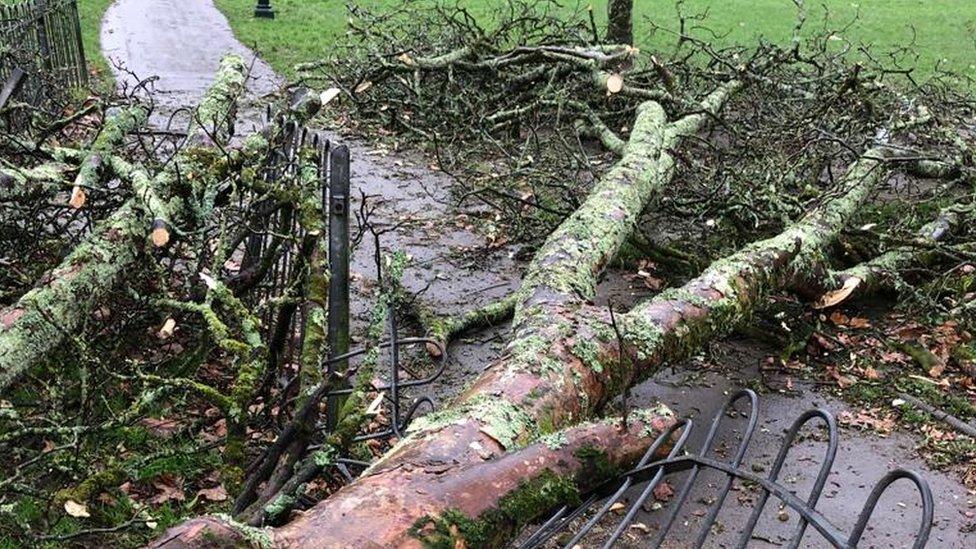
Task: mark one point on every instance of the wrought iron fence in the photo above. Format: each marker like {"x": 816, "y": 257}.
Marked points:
{"x": 279, "y": 235}
{"x": 42, "y": 38}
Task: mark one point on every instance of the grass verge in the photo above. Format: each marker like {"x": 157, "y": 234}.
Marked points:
{"x": 943, "y": 32}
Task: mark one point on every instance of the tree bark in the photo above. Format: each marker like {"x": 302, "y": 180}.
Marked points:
{"x": 38, "y": 324}
{"x": 480, "y": 504}
{"x": 540, "y": 385}
{"x": 568, "y": 358}
{"x": 620, "y": 21}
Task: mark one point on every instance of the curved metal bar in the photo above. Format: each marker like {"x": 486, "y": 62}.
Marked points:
{"x": 402, "y": 426}
{"x": 559, "y": 520}
{"x": 649, "y": 489}
{"x": 658, "y": 442}
{"x": 928, "y": 506}
{"x": 405, "y": 341}
{"x": 818, "y": 484}
{"x": 684, "y": 463}
{"x": 543, "y": 532}
{"x": 651, "y": 473}
{"x": 706, "y": 447}
{"x": 740, "y": 454}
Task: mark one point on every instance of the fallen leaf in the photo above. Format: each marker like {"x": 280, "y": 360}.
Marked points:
{"x": 650, "y": 281}
{"x": 859, "y": 323}
{"x": 363, "y": 86}
{"x": 169, "y": 488}
{"x": 839, "y": 318}
{"x": 842, "y": 381}
{"x": 433, "y": 349}
{"x": 834, "y": 297}
{"x": 160, "y": 426}
{"x": 217, "y": 493}
{"x": 663, "y": 492}
{"x": 75, "y": 509}
{"x": 640, "y": 526}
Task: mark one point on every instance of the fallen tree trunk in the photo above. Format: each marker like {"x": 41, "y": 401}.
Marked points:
{"x": 884, "y": 272}
{"x": 112, "y": 135}
{"x": 568, "y": 358}
{"x": 479, "y": 505}
{"x": 40, "y": 321}
{"x": 540, "y": 386}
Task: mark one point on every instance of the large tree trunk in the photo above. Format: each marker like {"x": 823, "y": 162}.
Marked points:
{"x": 37, "y": 325}
{"x": 440, "y": 503}
{"x": 620, "y": 21}
{"x": 542, "y": 384}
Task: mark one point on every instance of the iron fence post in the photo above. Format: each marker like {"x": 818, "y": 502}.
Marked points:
{"x": 39, "y": 25}
{"x": 82, "y": 64}
{"x": 338, "y": 319}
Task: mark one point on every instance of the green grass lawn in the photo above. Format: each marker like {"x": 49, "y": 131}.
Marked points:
{"x": 944, "y": 29}
{"x": 91, "y": 12}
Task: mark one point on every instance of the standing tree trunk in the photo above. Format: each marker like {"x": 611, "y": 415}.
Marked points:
{"x": 620, "y": 21}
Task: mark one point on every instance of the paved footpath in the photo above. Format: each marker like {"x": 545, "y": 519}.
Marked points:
{"x": 182, "y": 42}
{"x": 179, "y": 41}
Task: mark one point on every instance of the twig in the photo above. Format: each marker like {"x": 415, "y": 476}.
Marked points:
{"x": 963, "y": 427}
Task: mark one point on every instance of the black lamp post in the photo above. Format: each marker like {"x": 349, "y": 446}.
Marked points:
{"x": 264, "y": 9}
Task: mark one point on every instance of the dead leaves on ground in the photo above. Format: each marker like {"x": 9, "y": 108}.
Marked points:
{"x": 874, "y": 419}
{"x": 169, "y": 487}
{"x": 848, "y": 349}
{"x": 645, "y": 275}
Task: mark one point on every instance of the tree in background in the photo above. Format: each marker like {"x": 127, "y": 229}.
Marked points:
{"x": 620, "y": 21}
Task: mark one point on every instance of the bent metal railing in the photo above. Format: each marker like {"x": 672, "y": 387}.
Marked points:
{"x": 649, "y": 474}
{"x": 395, "y": 384}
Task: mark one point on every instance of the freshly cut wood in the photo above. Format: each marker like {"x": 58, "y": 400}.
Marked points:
{"x": 36, "y": 326}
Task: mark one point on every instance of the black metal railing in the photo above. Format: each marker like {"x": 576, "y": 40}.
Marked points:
{"x": 42, "y": 38}
{"x": 280, "y": 235}
{"x": 648, "y": 475}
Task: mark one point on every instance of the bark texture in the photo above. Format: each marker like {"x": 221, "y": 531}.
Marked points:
{"x": 620, "y": 21}
{"x": 567, "y": 357}
{"x": 39, "y": 323}
{"x": 542, "y": 384}
{"x": 480, "y": 504}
